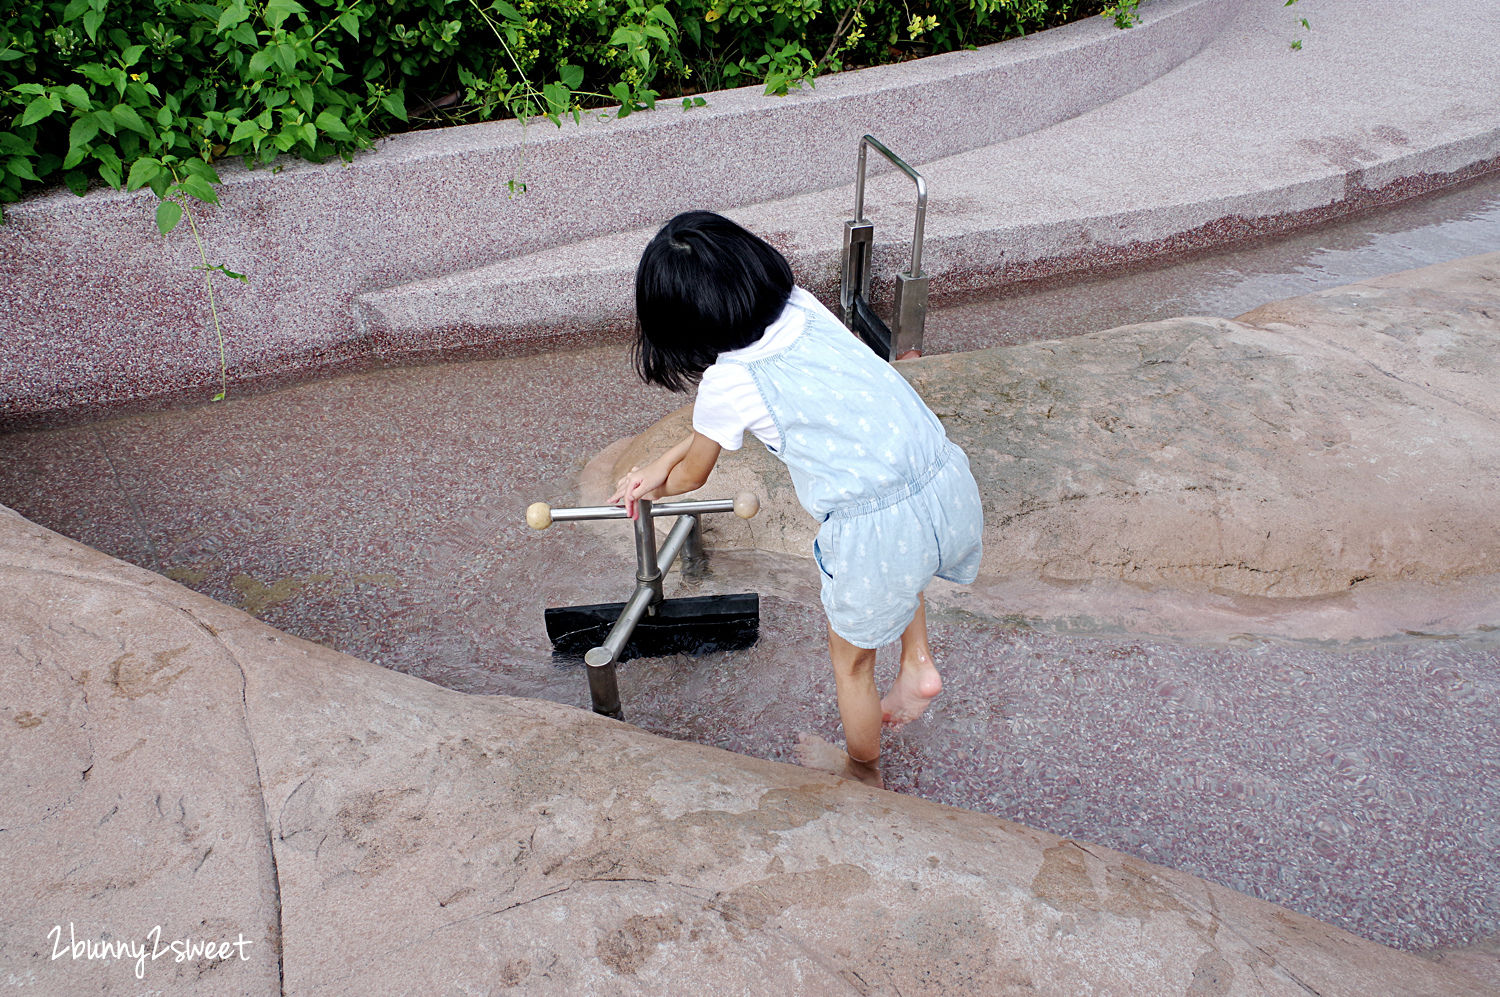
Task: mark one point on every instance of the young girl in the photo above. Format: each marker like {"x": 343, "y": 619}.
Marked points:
{"x": 897, "y": 504}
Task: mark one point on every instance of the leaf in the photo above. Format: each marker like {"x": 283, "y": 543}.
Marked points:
{"x": 246, "y": 129}
{"x": 506, "y": 11}
{"x": 20, "y": 166}
{"x": 244, "y": 34}
{"x": 233, "y": 14}
{"x": 277, "y": 11}
{"x": 29, "y": 88}
{"x": 199, "y": 168}
{"x": 620, "y": 92}
{"x": 142, "y": 172}
{"x": 77, "y": 96}
{"x": 104, "y": 120}
{"x": 261, "y": 61}
{"x": 200, "y": 188}
{"x": 557, "y": 96}
{"x": 126, "y": 117}
{"x": 395, "y": 103}
{"x": 168, "y": 214}
{"x": 329, "y": 123}
{"x": 349, "y": 21}
{"x": 571, "y": 76}
{"x": 96, "y": 73}
{"x": 91, "y": 22}
{"x": 109, "y": 166}
{"x": 132, "y": 55}
{"x": 286, "y": 57}
{"x": 10, "y": 54}
{"x": 82, "y": 132}
{"x": 75, "y": 8}
{"x": 39, "y": 108}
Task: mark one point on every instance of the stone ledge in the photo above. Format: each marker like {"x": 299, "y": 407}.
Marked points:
{"x": 130, "y": 321}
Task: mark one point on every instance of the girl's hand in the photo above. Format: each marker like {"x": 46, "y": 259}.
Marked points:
{"x": 684, "y": 468}
{"x": 639, "y": 484}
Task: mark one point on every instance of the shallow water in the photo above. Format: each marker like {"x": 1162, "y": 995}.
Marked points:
{"x": 1463, "y": 221}
{"x": 381, "y": 514}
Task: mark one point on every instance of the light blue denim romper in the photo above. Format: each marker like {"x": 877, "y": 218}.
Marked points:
{"x": 869, "y": 460}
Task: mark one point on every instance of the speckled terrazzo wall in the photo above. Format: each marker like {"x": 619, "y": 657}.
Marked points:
{"x": 97, "y": 309}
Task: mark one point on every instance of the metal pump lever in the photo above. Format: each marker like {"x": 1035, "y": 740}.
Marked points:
{"x": 685, "y": 538}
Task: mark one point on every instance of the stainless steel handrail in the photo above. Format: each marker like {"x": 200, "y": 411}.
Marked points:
{"x": 903, "y": 336}
{"x": 870, "y": 141}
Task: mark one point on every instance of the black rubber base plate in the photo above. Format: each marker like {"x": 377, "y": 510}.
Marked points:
{"x": 698, "y": 624}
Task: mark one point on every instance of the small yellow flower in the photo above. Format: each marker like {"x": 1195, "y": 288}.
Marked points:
{"x": 135, "y": 76}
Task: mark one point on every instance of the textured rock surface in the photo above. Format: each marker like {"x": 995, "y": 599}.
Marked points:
{"x": 170, "y": 760}
{"x": 1312, "y": 445}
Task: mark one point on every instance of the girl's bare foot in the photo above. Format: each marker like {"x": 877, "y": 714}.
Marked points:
{"x": 916, "y": 686}
{"x": 815, "y": 753}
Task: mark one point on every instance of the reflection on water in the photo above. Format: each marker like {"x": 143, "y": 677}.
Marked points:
{"x": 382, "y": 514}
{"x": 1446, "y": 226}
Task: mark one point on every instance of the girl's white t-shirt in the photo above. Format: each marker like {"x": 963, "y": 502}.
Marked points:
{"x": 728, "y": 401}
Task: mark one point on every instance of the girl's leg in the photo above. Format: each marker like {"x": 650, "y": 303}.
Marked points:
{"x": 859, "y": 706}
{"x": 918, "y": 683}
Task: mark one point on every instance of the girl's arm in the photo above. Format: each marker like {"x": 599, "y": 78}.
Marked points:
{"x": 684, "y": 468}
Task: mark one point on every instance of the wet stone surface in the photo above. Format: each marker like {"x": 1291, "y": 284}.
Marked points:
{"x": 1352, "y": 784}
{"x": 382, "y": 515}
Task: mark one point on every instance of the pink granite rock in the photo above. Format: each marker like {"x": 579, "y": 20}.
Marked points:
{"x": 170, "y": 760}
{"x": 1304, "y": 449}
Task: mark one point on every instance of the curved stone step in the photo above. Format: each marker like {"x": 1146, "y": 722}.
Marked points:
{"x": 131, "y": 321}
{"x": 1248, "y": 155}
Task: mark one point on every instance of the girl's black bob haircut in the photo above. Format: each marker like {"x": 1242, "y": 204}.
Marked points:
{"x": 705, "y": 285}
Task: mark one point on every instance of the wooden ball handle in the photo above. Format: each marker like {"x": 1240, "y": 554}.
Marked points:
{"x": 746, "y": 505}
{"x": 539, "y": 515}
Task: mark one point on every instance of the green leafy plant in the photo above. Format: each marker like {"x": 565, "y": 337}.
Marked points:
{"x": 154, "y": 94}
{"x": 1297, "y": 42}
{"x": 174, "y": 205}
{"x": 127, "y": 93}
{"x": 1125, "y": 13}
